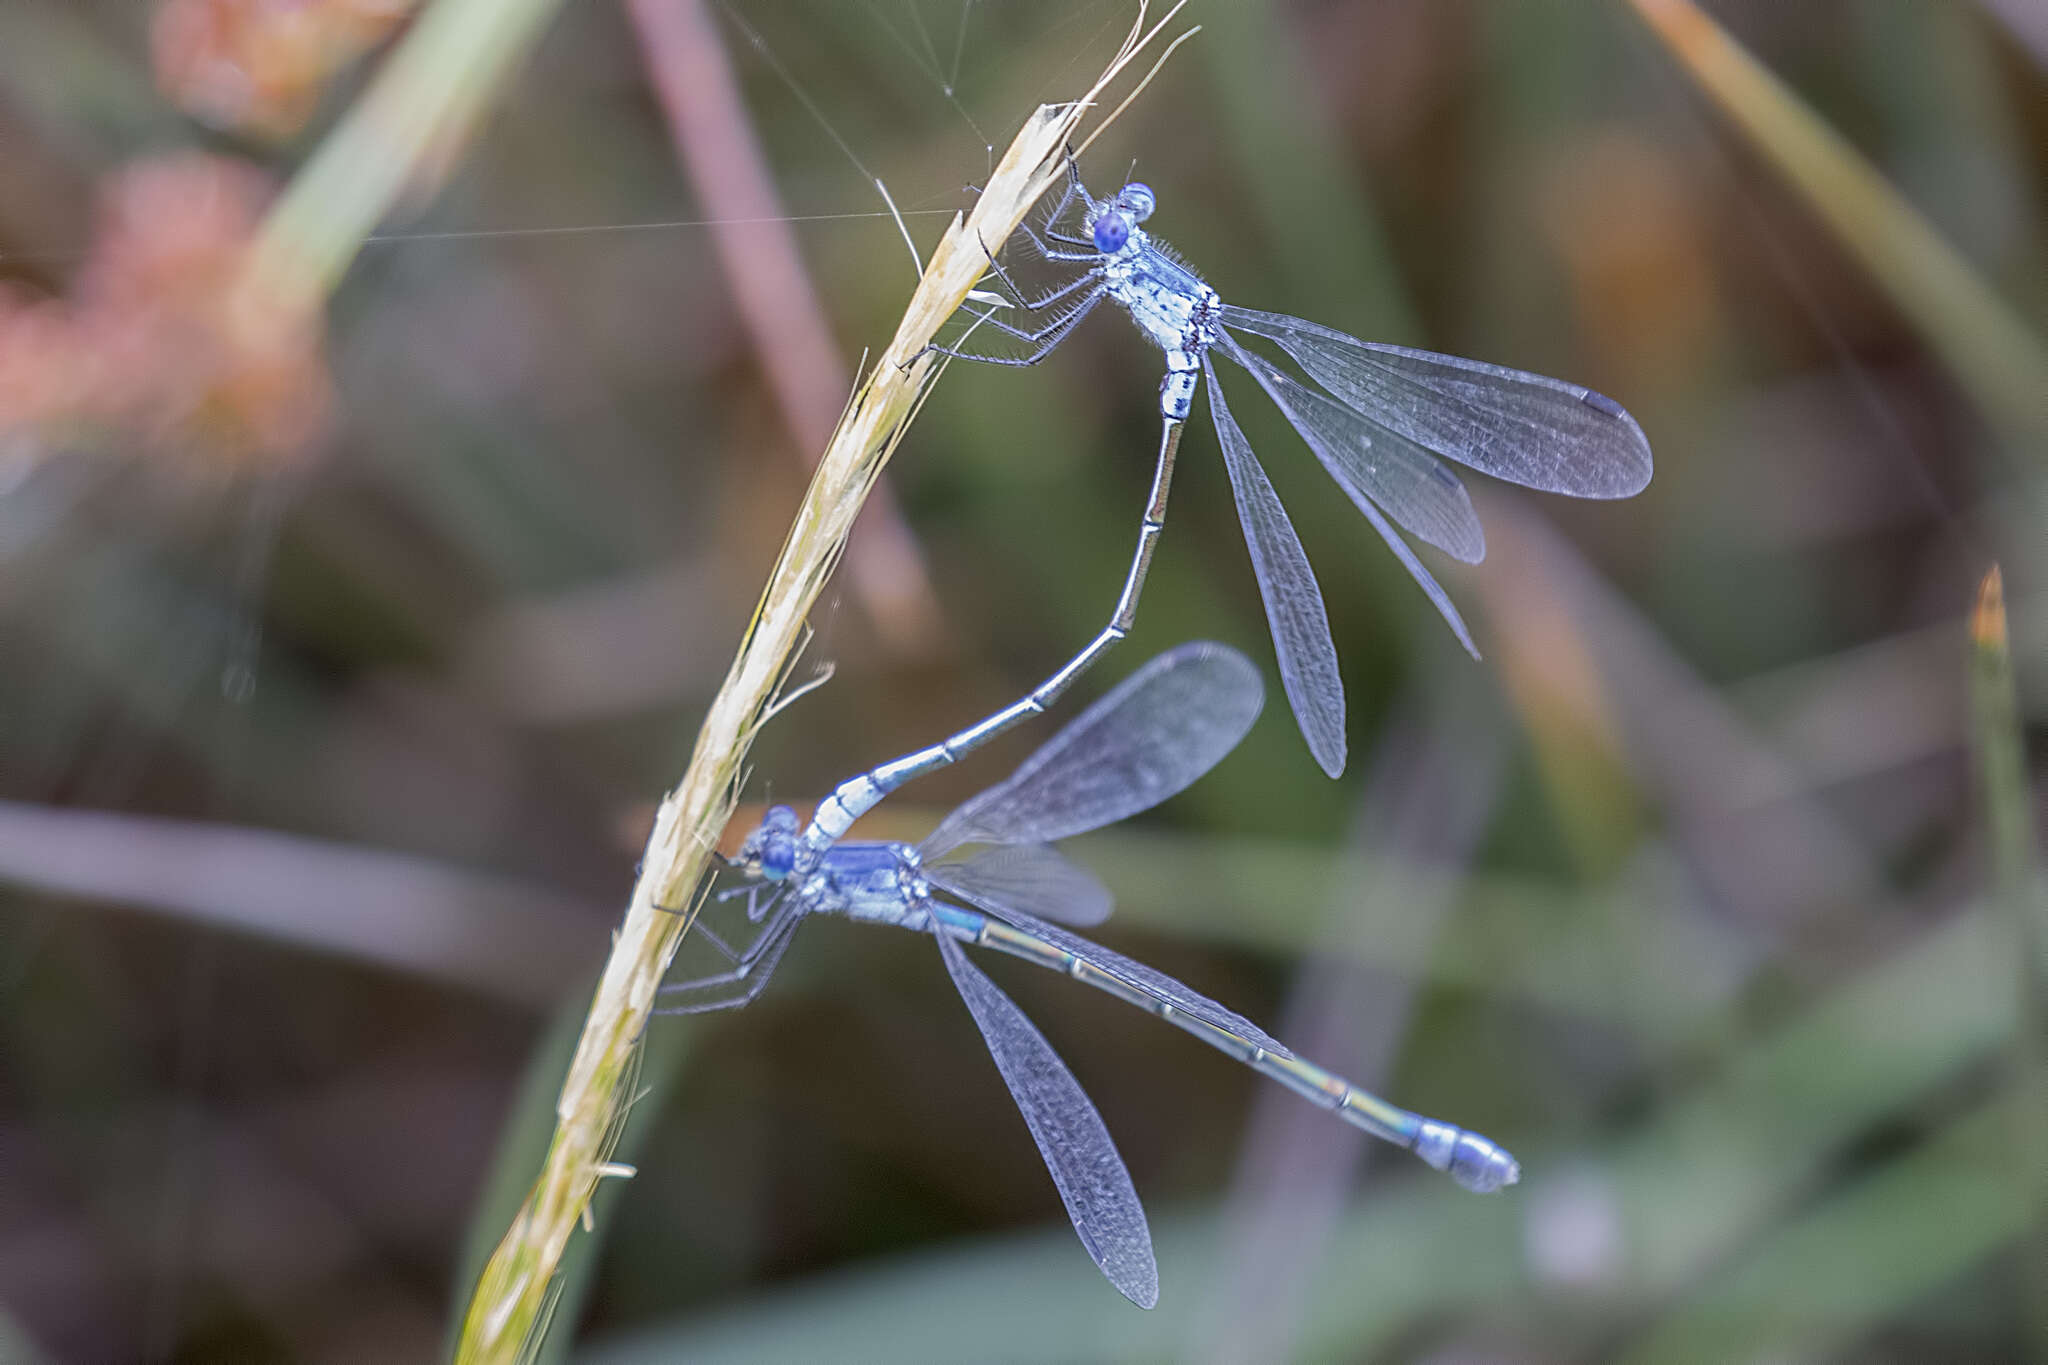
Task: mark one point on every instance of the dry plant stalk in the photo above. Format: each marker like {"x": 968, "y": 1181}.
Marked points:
{"x": 1994, "y": 355}
{"x": 507, "y": 1311}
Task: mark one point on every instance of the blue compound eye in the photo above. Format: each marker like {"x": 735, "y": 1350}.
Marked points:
{"x": 1137, "y": 200}
{"x": 776, "y": 843}
{"x": 1112, "y": 230}
{"x": 778, "y": 856}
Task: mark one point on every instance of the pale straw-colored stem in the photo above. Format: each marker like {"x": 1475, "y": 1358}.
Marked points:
{"x": 507, "y": 1312}
{"x": 1992, "y": 352}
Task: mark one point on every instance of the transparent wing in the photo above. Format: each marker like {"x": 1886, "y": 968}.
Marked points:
{"x": 1370, "y": 460}
{"x": 1430, "y": 587}
{"x": 1525, "y": 428}
{"x": 1150, "y": 737}
{"x": 1422, "y": 576}
{"x": 1294, "y": 603}
{"x": 1032, "y": 878}
{"x": 1156, "y": 984}
{"x": 1091, "y": 1177}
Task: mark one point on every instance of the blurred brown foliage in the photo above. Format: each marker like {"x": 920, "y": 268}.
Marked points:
{"x": 260, "y": 66}
{"x": 156, "y": 340}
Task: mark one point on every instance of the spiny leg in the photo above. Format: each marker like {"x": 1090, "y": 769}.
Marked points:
{"x": 751, "y": 984}
{"x": 1038, "y": 243}
{"x": 1017, "y": 293}
{"x": 752, "y": 891}
{"x": 1091, "y": 254}
{"x": 705, "y": 932}
{"x": 1073, "y": 187}
{"x": 1053, "y": 230}
{"x": 1052, "y": 220}
{"x": 1047, "y": 338}
{"x": 778, "y": 914}
{"x": 763, "y": 953}
{"x": 1059, "y": 326}
{"x": 754, "y": 914}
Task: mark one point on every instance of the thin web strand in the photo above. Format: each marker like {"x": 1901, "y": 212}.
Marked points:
{"x": 929, "y": 63}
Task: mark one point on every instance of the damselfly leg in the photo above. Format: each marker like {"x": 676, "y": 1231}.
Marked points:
{"x": 1044, "y": 341}
{"x": 1043, "y": 301}
{"x": 748, "y": 976}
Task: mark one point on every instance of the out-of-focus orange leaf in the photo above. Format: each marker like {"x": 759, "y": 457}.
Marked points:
{"x": 156, "y": 344}
{"x": 1627, "y": 225}
{"x": 260, "y": 65}
{"x": 43, "y": 374}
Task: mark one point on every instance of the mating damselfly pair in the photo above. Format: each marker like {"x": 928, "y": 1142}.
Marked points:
{"x": 1384, "y": 416}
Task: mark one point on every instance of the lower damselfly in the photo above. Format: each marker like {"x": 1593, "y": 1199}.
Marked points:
{"x": 1148, "y": 739}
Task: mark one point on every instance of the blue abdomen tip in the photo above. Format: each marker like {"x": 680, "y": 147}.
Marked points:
{"x": 1481, "y": 1166}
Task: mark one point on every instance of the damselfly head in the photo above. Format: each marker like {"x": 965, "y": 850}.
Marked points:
{"x": 770, "y": 851}
{"x": 1116, "y": 218}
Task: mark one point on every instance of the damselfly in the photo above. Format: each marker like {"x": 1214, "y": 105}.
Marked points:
{"x": 1384, "y": 415}
{"x": 1148, "y": 739}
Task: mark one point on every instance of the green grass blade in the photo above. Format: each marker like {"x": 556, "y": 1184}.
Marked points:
{"x": 1994, "y": 355}
{"x": 1823, "y": 1281}
{"x": 1999, "y": 748}
{"x": 424, "y": 100}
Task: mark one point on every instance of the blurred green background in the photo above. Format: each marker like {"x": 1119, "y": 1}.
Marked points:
{"x": 323, "y": 790}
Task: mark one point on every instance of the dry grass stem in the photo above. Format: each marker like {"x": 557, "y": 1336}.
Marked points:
{"x": 1992, "y": 353}
{"x": 506, "y": 1311}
